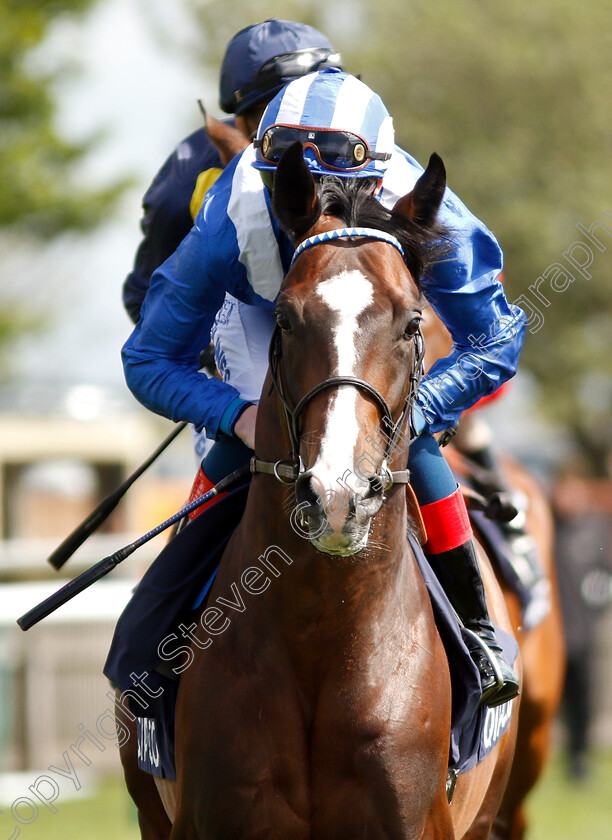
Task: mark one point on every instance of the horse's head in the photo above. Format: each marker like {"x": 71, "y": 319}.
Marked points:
{"x": 348, "y": 340}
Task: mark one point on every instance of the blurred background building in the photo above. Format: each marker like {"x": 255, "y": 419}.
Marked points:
{"x": 61, "y": 452}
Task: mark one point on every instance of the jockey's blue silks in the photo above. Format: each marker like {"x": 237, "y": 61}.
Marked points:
{"x": 236, "y": 246}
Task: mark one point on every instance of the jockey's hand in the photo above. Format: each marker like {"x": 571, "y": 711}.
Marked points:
{"x": 244, "y": 427}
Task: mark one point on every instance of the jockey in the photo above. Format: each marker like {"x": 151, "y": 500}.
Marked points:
{"x": 237, "y": 246}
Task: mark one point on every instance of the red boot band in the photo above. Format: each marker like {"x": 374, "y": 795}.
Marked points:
{"x": 447, "y": 523}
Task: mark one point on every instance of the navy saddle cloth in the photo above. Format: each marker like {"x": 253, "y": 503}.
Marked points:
{"x": 186, "y": 567}
{"x": 165, "y": 594}
{"x": 474, "y": 730}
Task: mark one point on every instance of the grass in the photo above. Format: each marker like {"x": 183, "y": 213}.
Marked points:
{"x": 108, "y": 814}
{"x": 559, "y": 809}
{"x": 562, "y": 809}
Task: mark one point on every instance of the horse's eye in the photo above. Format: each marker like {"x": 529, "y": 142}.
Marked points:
{"x": 412, "y": 327}
{"x": 283, "y": 322}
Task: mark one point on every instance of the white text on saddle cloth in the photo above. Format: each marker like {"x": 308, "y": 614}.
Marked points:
{"x": 496, "y": 723}
{"x": 148, "y": 751}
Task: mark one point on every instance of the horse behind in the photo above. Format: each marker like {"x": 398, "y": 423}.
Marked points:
{"x": 543, "y": 655}
{"x": 541, "y": 647}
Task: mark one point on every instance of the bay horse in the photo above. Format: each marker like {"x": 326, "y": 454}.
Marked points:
{"x": 543, "y": 656}
{"x": 542, "y": 647}
{"x": 323, "y": 707}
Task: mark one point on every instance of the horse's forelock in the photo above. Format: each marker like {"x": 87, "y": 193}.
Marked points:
{"x": 352, "y": 201}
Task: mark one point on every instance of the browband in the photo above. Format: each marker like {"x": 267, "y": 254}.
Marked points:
{"x": 338, "y": 233}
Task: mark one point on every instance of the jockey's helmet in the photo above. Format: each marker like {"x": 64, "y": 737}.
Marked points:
{"x": 262, "y": 58}
{"x": 343, "y": 125}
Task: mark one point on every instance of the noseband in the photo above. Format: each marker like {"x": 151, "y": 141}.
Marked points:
{"x": 288, "y": 471}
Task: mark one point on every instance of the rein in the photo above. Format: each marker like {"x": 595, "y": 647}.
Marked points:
{"x": 289, "y": 470}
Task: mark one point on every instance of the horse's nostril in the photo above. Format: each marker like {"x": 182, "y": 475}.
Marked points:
{"x": 374, "y": 487}
{"x": 352, "y": 504}
{"x": 305, "y": 492}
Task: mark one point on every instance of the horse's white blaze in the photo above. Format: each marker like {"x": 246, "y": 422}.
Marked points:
{"x": 347, "y": 295}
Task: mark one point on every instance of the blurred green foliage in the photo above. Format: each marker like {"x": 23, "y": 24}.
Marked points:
{"x": 40, "y": 193}
{"x": 516, "y": 98}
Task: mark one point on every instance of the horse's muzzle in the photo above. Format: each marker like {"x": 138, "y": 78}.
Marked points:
{"x": 337, "y": 520}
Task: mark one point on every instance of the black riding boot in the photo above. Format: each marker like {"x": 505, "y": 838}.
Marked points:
{"x": 459, "y": 574}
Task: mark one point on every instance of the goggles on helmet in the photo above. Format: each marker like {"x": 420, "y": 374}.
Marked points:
{"x": 292, "y": 65}
{"x": 342, "y": 151}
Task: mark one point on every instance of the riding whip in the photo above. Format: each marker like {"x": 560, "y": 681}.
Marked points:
{"x": 103, "y": 567}
{"x": 66, "y": 549}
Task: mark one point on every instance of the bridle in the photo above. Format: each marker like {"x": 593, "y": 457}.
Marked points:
{"x": 289, "y": 470}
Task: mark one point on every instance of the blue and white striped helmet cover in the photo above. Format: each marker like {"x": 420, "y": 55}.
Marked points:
{"x": 331, "y": 98}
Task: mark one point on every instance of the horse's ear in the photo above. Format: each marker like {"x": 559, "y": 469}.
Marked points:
{"x": 226, "y": 138}
{"x": 295, "y": 198}
{"x": 422, "y": 204}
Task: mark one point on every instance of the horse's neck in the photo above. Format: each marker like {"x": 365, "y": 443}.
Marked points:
{"x": 307, "y": 585}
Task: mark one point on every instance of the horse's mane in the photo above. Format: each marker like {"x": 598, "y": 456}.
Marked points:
{"x": 351, "y": 200}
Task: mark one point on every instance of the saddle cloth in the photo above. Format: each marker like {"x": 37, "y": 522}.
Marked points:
{"x": 184, "y": 570}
